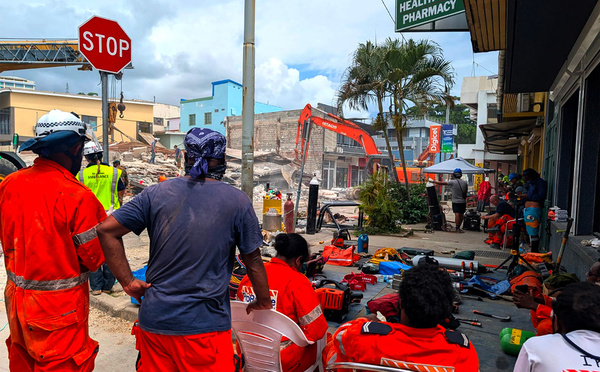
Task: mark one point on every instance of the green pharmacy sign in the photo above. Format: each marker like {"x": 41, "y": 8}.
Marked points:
{"x": 413, "y": 13}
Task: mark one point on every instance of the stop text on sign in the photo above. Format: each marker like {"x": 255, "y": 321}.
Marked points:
{"x": 103, "y": 43}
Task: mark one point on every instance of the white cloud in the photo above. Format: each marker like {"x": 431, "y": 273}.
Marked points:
{"x": 280, "y": 85}
{"x": 180, "y": 47}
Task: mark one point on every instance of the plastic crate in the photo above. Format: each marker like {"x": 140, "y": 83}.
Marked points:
{"x": 141, "y": 275}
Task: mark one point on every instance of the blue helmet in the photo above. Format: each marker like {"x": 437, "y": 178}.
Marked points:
{"x": 458, "y": 172}
{"x": 512, "y": 176}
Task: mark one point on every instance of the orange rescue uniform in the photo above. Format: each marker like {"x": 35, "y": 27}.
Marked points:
{"x": 293, "y": 295}
{"x": 400, "y": 346}
{"x": 48, "y": 234}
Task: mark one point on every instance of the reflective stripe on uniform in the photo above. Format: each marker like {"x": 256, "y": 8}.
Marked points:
{"x": 47, "y": 285}
{"x": 414, "y": 366}
{"x": 85, "y": 237}
{"x": 339, "y": 340}
{"x": 80, "y": 176}
{"x": 311, "y": 316}
{"x": 113, "y": 187}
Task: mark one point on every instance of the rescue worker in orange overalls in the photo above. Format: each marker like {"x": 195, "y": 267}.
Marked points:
{"x": 498, "y": 222}
{"x": 48, "y": 234}
{"x": 293, "y": 295}
{"x": 419, "y": 342}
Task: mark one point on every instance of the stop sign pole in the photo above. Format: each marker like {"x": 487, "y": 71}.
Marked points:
{"x": 108, "y": 49}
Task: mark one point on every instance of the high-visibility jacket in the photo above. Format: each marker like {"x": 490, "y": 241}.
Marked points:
{"x": 293, "y": 295}
{"x": 48, "y": 234}
{"x": 400, "y": 346}
{"x": 102, "y": 180}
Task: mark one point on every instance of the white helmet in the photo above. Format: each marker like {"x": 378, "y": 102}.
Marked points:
{"x": 91, "y": 147}
{"x": 57, "y": 120}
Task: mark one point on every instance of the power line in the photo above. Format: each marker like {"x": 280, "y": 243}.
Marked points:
{"x": 388, "y": 11}
{"x": 478, "y": 65}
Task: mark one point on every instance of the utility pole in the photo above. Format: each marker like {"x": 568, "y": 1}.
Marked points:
{"x": 104, "y": 80}
{"x": 248, "y": 101}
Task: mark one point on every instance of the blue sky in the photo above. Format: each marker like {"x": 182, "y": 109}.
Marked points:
{"x": 179, "y": 47}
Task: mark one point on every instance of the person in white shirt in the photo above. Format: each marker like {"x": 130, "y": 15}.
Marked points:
{"x": 575, "y": 344}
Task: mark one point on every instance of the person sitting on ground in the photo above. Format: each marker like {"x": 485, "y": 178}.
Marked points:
{"x": 426, "y": 296}
{"x": 575, "y": 344}
{"x": 540, "y": 305}
{"x": 293, "y": 295}
{"x": 459, "y": 189}
{"x": 498, "y": 222}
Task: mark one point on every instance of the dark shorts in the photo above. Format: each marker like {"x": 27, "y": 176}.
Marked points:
{"x": 459, "y": 207}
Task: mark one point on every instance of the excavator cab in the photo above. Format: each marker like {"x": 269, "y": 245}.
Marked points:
{"x": 376, "y": 162}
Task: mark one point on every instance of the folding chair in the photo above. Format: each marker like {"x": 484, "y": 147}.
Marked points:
{"x": 259, "y": 335}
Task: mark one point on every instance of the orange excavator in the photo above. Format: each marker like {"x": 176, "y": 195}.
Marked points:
{"x": 311, "y": 115}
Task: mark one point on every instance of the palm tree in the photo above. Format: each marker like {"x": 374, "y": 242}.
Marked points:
{"x": 363, "y": 83}
{"x": 417, "y": 73}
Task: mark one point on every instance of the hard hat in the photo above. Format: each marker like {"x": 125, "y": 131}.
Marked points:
{"x": 91, "y": 147}
{"x": 512, "y": 176}
{"x": 458, "y": 170}
{"x": 58, "y": 129}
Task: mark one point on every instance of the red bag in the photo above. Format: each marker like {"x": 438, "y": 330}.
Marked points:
{"x": 340, "y": 257}
{"x": 388, "y": 305}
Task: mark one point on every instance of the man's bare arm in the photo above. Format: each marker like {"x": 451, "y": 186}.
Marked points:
{"x": 110, "y": 233}
{"x": 258, "y": 277}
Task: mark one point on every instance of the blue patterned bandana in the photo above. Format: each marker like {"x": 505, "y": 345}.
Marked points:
{"x": 202, "y": 144}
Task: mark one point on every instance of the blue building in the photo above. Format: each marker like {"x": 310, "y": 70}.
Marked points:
{"x": 210, "y": 112}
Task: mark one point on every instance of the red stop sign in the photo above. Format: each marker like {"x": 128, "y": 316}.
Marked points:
{"x": 105, "y": 45}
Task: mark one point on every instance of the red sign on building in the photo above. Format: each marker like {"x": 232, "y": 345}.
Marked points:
{"x": 105, "y": 45}
{"x": 434, "y": 138}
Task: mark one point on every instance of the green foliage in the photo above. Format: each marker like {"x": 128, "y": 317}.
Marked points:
{"x": 413, "y": 206}
{"x": 383, "y": 210}
{"x": 387, "y": 202}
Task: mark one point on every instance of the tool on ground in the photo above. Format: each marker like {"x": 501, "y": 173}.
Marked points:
{"x": 501, "y": 318}
{"x": 453, "y": 263}
{"x": 468, "y": 320}
{"x": 478, "y": 298}
{"x": 492, "y": 294}
{"x": 335, "y": 299}
{"x": 476, "y": 324}
{"x": 563, "y": 245}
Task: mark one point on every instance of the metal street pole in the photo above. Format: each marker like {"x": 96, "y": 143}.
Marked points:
{"x": 104, "y": 80}
{"x": 248, "y": 101}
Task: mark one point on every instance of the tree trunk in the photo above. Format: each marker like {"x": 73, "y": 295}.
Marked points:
{"x": 399, "y": 125}
{"x": 387, "y": 139}
{"x": 400, "y": 133}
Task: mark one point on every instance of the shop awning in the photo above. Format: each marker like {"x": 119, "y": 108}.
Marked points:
{"x": 487, "y": 24}
{"x": 505, "y": 137}
{"x": 540, "y": 35}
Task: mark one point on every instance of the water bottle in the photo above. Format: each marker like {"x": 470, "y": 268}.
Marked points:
{"x": 363, "y": 244}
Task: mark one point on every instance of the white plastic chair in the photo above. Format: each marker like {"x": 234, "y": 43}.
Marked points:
{"x": 259, "y": 336}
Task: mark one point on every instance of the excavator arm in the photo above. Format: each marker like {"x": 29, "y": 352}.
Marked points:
{"x": 335, "y": 124}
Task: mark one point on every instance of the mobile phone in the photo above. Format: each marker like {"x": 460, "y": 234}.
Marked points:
{"x": 522, "y": 288}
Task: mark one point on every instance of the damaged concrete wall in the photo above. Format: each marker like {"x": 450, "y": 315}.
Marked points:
{"x": 276, "y": 132}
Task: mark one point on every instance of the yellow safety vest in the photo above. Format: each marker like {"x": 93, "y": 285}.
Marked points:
{"x": 103, "y": 182}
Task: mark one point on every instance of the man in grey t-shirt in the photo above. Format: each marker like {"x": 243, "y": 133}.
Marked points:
{"x": 459, "y": 189}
